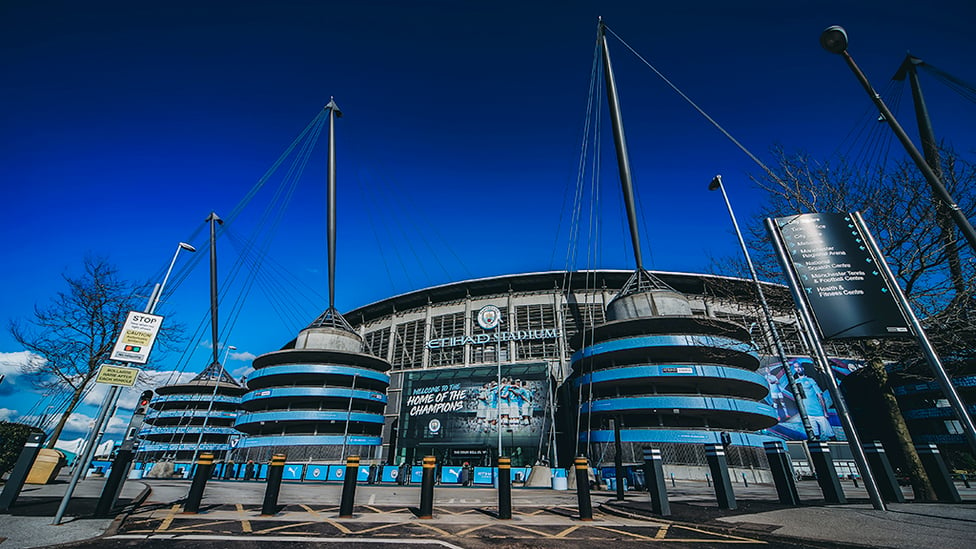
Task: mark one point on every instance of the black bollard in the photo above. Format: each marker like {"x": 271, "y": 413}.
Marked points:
{"x": 939, "y": 475}
{"x": 884, "y": 475}
{"x": 779, "y": 466}
{"x": 204, "y": 467}
{"x": 427, "y": 488}
{"x": 275, "y": 471}
{"x": 823, "y": 464}
{"x": 583, "y": 488}
{"x": 349, "y": 487}
{"x": 654, "y": 480}
{"x": 113, "y": 485}
{"x": 965, "y": 481}
{"x": 504, "y": 488}
{"x": 719, "y": 466}
{"x": 15, "y": 482}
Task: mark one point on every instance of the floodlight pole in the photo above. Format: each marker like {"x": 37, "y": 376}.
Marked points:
{"x": 801, "y": 407}
{"x": 834, "y": 40}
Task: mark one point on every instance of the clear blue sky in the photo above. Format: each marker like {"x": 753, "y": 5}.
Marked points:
{"x": 124, "y": 124}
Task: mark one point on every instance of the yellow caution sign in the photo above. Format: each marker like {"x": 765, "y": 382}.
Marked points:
{"x": 117, "y": 375}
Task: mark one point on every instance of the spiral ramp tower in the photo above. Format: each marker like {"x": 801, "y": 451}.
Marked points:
{"x": 196, "y": 416}
{"x": 323, "y": 399}
{"x": 669, "y": 379}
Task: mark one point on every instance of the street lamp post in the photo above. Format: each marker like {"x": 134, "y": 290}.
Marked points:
{"x": 109, "y": 403}
{"x": 834, "y": 40}
{"x": 801, "y": 408}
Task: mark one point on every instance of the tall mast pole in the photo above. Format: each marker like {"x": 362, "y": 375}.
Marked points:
{"x": 620, "y": 142}
{"x": 333, "y": 113}
{"x": 213, "y": 220}
{"x": 930, "y": 151}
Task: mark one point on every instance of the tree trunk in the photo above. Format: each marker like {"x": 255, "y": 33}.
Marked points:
{"x": 75, "y": 398}
{"x": 919, "y": 479}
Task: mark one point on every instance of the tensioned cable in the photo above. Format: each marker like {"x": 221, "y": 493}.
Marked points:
{"x": 699, "y": 109}
{"x": 961, "y": 87}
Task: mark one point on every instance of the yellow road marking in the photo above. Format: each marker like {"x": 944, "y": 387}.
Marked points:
{"x": 310, "y": 510}
{"x": 472, "y": 529}
{"x": 567, "y": 531}
{"x": 624, "y": 532}
{"x": 338, "y": 526}
{"x": 169, "y": 518}
{"x": 283, "y": 527}
{"x": 531, "y": 531}
{"x": 434, "y": 528}
{"x": 662, "y": 532}
{"x": 188, "y": 527}
{"x": 376, "y": 528}
{"x": 245, "y": 524}
{"x": 729, "y": 536}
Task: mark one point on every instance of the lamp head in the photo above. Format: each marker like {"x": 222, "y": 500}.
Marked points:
{"x": 834, "y": 39}
{"x": 716, "y": 183}
{"x": 187, "y": 247}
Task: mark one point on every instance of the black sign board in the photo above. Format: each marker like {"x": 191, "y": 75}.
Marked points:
{"x": 840, "y": 278}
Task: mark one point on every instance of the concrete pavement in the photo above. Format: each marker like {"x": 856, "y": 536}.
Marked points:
{"x": 461, "y": 512}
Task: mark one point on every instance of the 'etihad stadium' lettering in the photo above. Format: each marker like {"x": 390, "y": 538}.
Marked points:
{"x": 481, "y": 339}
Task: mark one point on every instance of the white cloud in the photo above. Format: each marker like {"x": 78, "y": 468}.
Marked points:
{"x": 6, "y": 414}
{"x": 242, "y": 356}
{"x": 13, "y": 364}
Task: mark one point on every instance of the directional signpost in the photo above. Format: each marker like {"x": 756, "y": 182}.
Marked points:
{"x": 840, "y": 278}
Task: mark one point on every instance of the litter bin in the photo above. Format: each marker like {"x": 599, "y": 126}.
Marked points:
{"x": 46, "y": 467}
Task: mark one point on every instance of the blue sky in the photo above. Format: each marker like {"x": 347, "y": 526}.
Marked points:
{"x": 124, "y": 124}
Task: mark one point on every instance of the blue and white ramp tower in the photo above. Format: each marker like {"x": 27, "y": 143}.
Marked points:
{"x": 321, "y": 397}
{"x": 654, "y": 371}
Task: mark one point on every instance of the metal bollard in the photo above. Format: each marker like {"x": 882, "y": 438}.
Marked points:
{"x": 427, "y": 488}
{"x": 745, "y": 481}
{"x": 719, "y": 465}
{"x": 204, "y": 467}
{"x": 965, "y": 481}
{"x": 113, "y": 485}
{"x": 708, "y": 480}
{"x": 654, "y": 480}
{"x": 349, "y": 487}
{"x": 782, "y": 471}
{"x": 275, "y": 472}
{"x": 823, "y": 464}
{"x": 504, "y": 488}
{"x": 583, "y": 488}
{"x": 15, "y": 482}
{"x": 673, "y": 485}
{"x": 884, "y": 475}
{"x": 938, "y": 473}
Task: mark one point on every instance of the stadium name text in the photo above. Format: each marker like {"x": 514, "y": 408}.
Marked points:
{"x": 482, "y": 339}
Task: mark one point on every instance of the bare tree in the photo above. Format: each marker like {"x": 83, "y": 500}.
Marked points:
{"x": 74, "y": 336}
{"x": 899, "y": 210}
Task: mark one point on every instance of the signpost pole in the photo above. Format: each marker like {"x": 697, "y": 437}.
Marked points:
{"x": 958, "y": 406}
{"x": 853, "y": 440}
